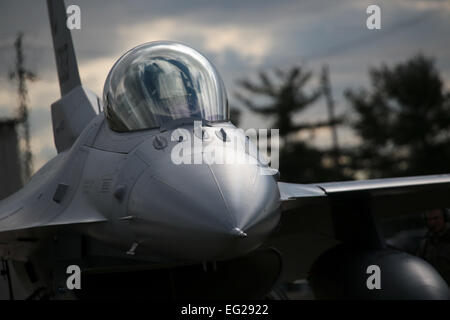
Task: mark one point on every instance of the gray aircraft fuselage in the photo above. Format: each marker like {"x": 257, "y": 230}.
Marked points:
{"x": 153, "y": 208}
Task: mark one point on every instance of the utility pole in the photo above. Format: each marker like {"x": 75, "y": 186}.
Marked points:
{"x": 326, "y": 87}
{"x": 22, "y": 75}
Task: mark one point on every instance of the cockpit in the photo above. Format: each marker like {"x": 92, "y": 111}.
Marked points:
{"x": 157, "y": 82}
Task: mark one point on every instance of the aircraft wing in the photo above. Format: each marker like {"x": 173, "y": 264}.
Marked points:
{"x": 387, "y": 197}
{"x": 316, "y": 217}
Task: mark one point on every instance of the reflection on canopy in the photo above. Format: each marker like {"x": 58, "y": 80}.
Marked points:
{"x": 162, "y": 81}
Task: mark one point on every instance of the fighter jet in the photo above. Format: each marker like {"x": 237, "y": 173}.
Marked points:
{"x": 116, "y": 205}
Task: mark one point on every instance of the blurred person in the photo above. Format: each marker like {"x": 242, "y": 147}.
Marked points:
{"x": 435, "y": 247}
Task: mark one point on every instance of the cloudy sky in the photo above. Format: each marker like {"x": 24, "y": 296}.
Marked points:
{"x": 241, "y": 37}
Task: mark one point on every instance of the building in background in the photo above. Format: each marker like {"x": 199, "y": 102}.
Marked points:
{"x": 10, "y": 164}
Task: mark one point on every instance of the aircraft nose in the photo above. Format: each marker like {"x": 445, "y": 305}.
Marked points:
{"x": 251, "y": 197}
{"x": 204, "y": 212}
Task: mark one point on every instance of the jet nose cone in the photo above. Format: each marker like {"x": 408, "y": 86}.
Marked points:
{"x": 203, "y": 212}
{"x": 251, "y": 197}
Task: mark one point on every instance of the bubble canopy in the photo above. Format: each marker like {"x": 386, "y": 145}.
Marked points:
{"x": 161, "y": 81}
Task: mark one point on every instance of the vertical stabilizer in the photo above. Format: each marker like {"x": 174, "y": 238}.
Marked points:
{"x": 76, "y": 108}
{"x": 66, "y": 62}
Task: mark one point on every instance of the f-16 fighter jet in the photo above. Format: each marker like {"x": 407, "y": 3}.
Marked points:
{"x": 115, "y": 205}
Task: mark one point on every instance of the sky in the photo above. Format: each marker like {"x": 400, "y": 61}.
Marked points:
{"x": 240, "y": 37}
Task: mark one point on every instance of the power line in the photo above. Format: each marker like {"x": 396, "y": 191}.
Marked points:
{"x": 358, "y": 41}
{"x": 348, "y": 45}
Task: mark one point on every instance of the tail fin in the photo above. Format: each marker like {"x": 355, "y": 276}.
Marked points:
{"x": 76, "y": 108}
{"x": 66, "y": 62}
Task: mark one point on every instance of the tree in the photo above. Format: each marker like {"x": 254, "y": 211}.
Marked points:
{"x": 285, "y": 96}
{"x": 403, "y": 121}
